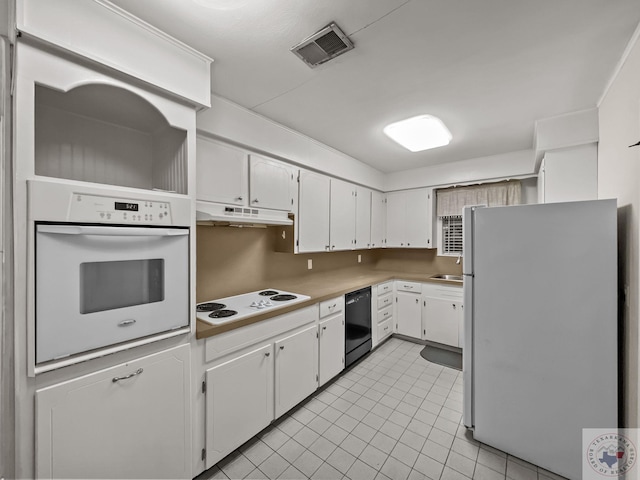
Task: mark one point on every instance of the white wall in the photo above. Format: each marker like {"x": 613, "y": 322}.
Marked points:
{"x": 230, "y": 121}
{"x": 619, "y": 176}
{"x": 505, "y": 165}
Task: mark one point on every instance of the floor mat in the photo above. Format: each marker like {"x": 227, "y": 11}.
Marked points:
{"x": 442, "y": 357}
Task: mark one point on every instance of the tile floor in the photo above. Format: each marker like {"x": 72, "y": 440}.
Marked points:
{"x": 392, "y": 416}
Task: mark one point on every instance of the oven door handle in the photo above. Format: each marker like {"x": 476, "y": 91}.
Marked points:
{"x": 112, "y": 231}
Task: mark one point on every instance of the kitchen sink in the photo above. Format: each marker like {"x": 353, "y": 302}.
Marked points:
{"x": 452, "y": 278}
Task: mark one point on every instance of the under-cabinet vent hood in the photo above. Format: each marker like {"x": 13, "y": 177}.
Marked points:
{"x": 322, "y": 46}
{"x": 216, "y": 214}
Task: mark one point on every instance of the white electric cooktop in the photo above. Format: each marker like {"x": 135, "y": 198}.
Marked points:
{"x": 223, "y": 310}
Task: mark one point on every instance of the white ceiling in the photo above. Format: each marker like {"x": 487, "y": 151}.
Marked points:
{"x": 487, "y": 68}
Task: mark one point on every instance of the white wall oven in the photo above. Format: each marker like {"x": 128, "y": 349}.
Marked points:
{"x": 103, "y": 283}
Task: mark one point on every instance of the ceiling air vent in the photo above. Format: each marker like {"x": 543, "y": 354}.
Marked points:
{"x": 323, "y": 45}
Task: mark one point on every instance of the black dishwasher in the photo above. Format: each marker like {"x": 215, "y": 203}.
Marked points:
{"x": 358, "y": 325}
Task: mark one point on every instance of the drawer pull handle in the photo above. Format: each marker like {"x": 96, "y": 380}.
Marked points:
{"x": 126, "y": 323}
{"x": 137, "y": 372}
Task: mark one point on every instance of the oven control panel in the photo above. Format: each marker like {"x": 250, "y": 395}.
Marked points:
{"x": 101, "y": 209}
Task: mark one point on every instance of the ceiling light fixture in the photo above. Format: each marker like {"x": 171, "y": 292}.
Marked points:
{"x": 419, "y": 133}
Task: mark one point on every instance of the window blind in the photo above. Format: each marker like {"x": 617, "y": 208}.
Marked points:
{"x": 452, "y": 234}
{"x": 451, "y": 201}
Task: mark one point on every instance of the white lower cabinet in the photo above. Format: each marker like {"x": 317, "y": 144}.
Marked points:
{"x": 128, "y": 421}
{"x": 441, "y": 321}
{"x": 296, "y": 369}
{"x": 257, "y": 373}
{"x": 443, "y": 315}
{"x": 239, "y": 401}
{"x": 408, "y": 312}
{"x": 331, "y": 347}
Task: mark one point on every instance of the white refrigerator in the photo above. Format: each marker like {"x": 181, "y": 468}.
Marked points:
{"x": 540, "y": 357}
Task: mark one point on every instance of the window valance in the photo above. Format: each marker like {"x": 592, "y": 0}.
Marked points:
{"x": 451, "y": 201}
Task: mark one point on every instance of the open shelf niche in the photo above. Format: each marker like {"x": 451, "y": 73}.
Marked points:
{"x": 104, "y": 134}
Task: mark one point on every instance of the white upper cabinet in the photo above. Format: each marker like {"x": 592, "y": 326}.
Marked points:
{"x": 396, "y": 219}
{"x": 363, "y": 218}
{"x": 378, "y": 219}
{"x": 410, "y": 219}
{"x": 313, "y": 212}
{"x": 419, "y": 218}
{"x": 232, "y": 176}
{"x": 271, "y": 183}
{"x": 343, "y": 215}
{"x": 569, "y": 174}
{"x": 89, "y": 29}
{"x": 221, "y": 172}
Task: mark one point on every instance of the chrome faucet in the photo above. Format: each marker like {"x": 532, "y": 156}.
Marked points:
{"x": 459, "y": 259}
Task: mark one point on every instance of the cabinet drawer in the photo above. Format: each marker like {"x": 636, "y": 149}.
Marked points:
{"x": 329, "y": 307}
{"x": 234, "y": 340}
{"x": 385, "y": 329}
{"x": 409, "y": 286}
{"x": 385, "y": 301}
{"x": 385, "y": 288}
{"x": 385, "y": 314}
{"x": 443, "y": 291}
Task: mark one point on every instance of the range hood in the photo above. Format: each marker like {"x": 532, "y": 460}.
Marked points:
{"x": 217, "y": 214}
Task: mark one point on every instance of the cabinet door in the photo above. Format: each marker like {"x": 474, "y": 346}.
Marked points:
{"x": 296, "y": 369}
{"x": 271, "y": 183}
{"x": 343, "y": 215}
{"x": 239, "y": 401}
{"x": 313, "y": 212}
{"x": 409, "y": 314}
{"x": 418, "y": 226}
{"x": 363, "y": 218}
{"x": 331, "y": 348}
{"x": 396, "y": 219}
{"x": 222, "y": 172}
{"x": 460, "y": 313}
{"x": 441, "y": 320}
{"x": 129, "y": 421}
{"x": 378, "y": 219}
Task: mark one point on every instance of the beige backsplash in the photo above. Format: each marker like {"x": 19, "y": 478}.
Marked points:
{"x": 237, "y": 260}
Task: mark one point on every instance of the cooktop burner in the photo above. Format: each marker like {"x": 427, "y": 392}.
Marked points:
{"x": 219, "y": 311}
{"x": 209, "y": 307}
{"x": 283, "y": 298}
{"x": 268, "y": 293}
{"x": 222, "y": 313}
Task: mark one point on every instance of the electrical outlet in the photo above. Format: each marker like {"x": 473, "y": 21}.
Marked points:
{"x": 359, "y": 258}
{"x": 309, "y": 264}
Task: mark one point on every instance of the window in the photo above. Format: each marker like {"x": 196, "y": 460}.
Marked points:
{"x": 451, "y": 201}
{"x": 452, "y": 235}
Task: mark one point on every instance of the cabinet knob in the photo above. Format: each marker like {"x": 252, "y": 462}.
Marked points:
{"x": 255, "y": 200}
{"x": 408, "y": 244}
{"x": 453, "y": 305}
{"x": 281, "y": 347}
{"x": 418, "y": 301}
{"x": 326, "y": 247}
{"x": 239, "y": 199}
{"x": 267, "y": 354}
{"x": 324, "y": 328}
{"x": 332, "y": 247}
